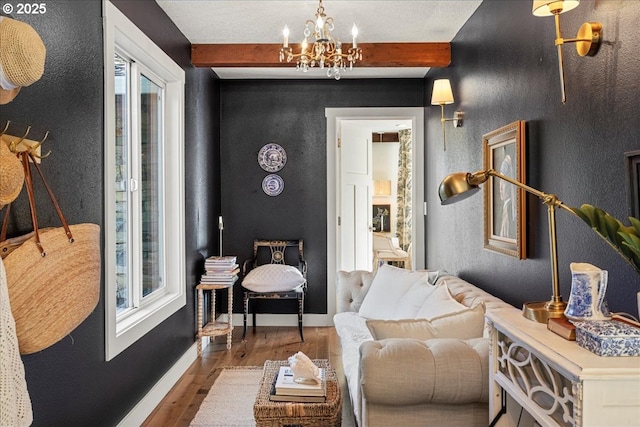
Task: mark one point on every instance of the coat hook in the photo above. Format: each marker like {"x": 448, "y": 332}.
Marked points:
{"x": 34, "y": 148}
{"x": 14, "y": 144}
{"x": 5, "y": 127}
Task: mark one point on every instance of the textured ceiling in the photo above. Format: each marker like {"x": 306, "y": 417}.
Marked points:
{"x": 246, "y": 21}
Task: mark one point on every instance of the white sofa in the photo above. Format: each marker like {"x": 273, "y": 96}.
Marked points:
{"x": 413, "y": 381}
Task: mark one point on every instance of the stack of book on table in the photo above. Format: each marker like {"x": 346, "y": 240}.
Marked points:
{"x": 285, "y": 389}
{"x": 220, "y": 270}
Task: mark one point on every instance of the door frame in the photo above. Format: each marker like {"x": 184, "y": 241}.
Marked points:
{"x": 334, "y": 117}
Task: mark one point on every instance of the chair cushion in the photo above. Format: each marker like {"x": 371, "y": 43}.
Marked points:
{"x": 465, "y": 324}
{"x": 273, "y": 278}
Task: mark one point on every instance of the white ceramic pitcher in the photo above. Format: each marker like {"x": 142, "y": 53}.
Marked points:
{"x": 588, "y": 287}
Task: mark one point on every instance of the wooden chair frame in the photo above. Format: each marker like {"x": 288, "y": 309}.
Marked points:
{"x": 278, "y": 249}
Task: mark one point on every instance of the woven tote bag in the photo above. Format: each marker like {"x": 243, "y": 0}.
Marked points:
{"x": 53, "y": 276}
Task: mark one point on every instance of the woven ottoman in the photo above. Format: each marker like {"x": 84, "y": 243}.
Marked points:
{"x": 268, "y": 413}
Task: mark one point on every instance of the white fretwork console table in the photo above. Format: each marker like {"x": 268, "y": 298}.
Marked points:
{"x": 556, "y": 381}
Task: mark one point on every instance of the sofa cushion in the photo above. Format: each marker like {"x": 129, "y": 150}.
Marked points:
{"x": 387, "y": 289}
{"x": 439, "y": 302}
{"x": 273, "y": 278}
{"x": 465, "y": 324}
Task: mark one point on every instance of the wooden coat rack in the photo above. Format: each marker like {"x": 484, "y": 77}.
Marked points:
{"x": 19, "y": 144}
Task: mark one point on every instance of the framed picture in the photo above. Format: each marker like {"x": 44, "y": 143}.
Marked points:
{"x": 504, "y": 203}
{"x": 382, "y": 218}
{"x": 633, "y": 176}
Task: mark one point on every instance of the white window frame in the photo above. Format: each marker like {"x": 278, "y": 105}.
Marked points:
{"x": 121, "y": 35}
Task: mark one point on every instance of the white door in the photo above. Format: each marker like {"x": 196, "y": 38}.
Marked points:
{"x": 355, "y": 154}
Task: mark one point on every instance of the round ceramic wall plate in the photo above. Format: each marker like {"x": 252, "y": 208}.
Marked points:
{"x": 272, "y": 185}
{"x": 272, "y": 157}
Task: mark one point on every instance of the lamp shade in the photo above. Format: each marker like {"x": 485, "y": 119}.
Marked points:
{"x": 382, "y": 188}
{"x": 456, "y": 187}
{"x": 442, "y": 93}
{"x": 551, "y": 7}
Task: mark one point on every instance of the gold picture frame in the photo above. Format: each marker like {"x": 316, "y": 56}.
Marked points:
{"x": 504, "y": 203}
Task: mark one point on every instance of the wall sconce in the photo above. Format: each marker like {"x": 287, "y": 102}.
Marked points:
{"x": 442, "y": 95}
{"x": 587, "y": 40}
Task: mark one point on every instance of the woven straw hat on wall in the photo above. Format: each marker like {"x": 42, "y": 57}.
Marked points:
{"x": 11, "y": 175}
{"x": 21, "y": 58}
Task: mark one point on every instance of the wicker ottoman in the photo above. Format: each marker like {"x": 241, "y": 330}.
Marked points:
{"x": 280, "y": 414}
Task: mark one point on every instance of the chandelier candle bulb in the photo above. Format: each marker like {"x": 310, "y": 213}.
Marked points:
{"x": 354, "y": 33}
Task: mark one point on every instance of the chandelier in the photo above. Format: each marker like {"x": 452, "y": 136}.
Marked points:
{"x": 325, "y": 51}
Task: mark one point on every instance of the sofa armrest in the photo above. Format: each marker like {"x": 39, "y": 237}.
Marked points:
{"x": 402, "y": 371}
{"x": 351, "y": 288}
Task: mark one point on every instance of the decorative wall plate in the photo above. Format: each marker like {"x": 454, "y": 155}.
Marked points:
{"x": 272, "y": 185}
{"x": 272, "y": 157}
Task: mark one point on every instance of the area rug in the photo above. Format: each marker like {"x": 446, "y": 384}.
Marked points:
{"x": 229, "y": 402}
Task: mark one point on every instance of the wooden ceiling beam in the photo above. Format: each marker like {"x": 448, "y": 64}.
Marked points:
{"x": 373, "y": 55}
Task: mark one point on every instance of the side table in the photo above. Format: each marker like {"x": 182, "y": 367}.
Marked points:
{"x": 213, "y": 327}
{"x": 555, "y": 380}
{"x": 268, "y": 413}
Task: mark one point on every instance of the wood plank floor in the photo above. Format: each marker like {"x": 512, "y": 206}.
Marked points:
{"x": 180, "y": 405}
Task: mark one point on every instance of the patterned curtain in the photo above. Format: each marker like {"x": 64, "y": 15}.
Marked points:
{"x": 405, "y": 184}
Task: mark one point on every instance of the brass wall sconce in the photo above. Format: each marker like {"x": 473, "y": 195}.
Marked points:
{"x": 442, "y": 95}
{"x": 460, "y": 185}
{"x": 587, "y": 40}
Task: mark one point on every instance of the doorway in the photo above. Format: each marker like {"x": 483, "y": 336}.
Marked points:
{"x": 336, "y": 117}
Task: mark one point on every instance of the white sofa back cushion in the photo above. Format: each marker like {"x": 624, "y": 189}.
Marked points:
{"x": 387, "y": 289}
{"x": 273, "y": 278}
{"x": 465, "y": 324}
{"x": 439, "y": 302}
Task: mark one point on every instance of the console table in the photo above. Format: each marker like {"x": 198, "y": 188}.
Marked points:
{"x": 556, "y": 381}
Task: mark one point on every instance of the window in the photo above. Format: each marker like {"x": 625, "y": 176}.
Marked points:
{"x": 144, "y": 184}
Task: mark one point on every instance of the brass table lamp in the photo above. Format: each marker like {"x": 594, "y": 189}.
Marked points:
{"x": 460, "y": 185}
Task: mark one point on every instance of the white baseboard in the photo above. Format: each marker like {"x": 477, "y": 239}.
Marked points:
{"x": 149, "y": 402}
{"x": 282, "y": 320}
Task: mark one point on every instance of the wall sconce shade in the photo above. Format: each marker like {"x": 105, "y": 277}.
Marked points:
{"x": 587, "y": 40}
{"x": 382, "y": 188}
{"x": 442, "y": 95}
{"x": 550, "y": 8}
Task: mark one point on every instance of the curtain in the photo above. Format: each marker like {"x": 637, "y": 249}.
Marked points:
{"x": 404, "y": 201}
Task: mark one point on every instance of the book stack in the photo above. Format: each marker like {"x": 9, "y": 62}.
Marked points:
{"x": 220, "y": 270}
{"x": 285, "y": 389}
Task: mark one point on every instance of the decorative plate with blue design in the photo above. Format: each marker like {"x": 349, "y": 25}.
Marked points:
{"x": 272, "y": 157}
{"x": 272, "y": 185}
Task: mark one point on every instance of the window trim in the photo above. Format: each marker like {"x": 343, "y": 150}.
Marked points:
{"x": 120, "y": 31}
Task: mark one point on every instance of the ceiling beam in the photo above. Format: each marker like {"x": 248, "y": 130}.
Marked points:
{"x": 373, "y": 55}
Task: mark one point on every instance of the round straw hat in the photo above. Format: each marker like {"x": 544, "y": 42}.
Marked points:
{"x": 11, "y": 175}
{"x": 22, "y": 55}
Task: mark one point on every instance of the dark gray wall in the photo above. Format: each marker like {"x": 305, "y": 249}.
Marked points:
{"x": 70, "y": 383}
{"x": 504, "y": 68}
{"x": 292, "y": 114}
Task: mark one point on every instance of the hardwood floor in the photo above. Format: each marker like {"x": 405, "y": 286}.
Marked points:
{"x": 180, "y": 405}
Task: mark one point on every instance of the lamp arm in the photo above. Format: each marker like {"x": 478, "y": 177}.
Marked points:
{"x": 552, "y": 202}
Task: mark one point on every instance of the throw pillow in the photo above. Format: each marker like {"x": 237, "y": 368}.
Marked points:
{"x": 465, "y": 324}
{"x": 387, "y": 289}
{"x": 273, "y": 278}
{"x": 439, "y": 302}
{"x": 408, "y": 306}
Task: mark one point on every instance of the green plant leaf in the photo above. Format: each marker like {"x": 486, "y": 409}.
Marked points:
{"x": 625, "y": 240}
